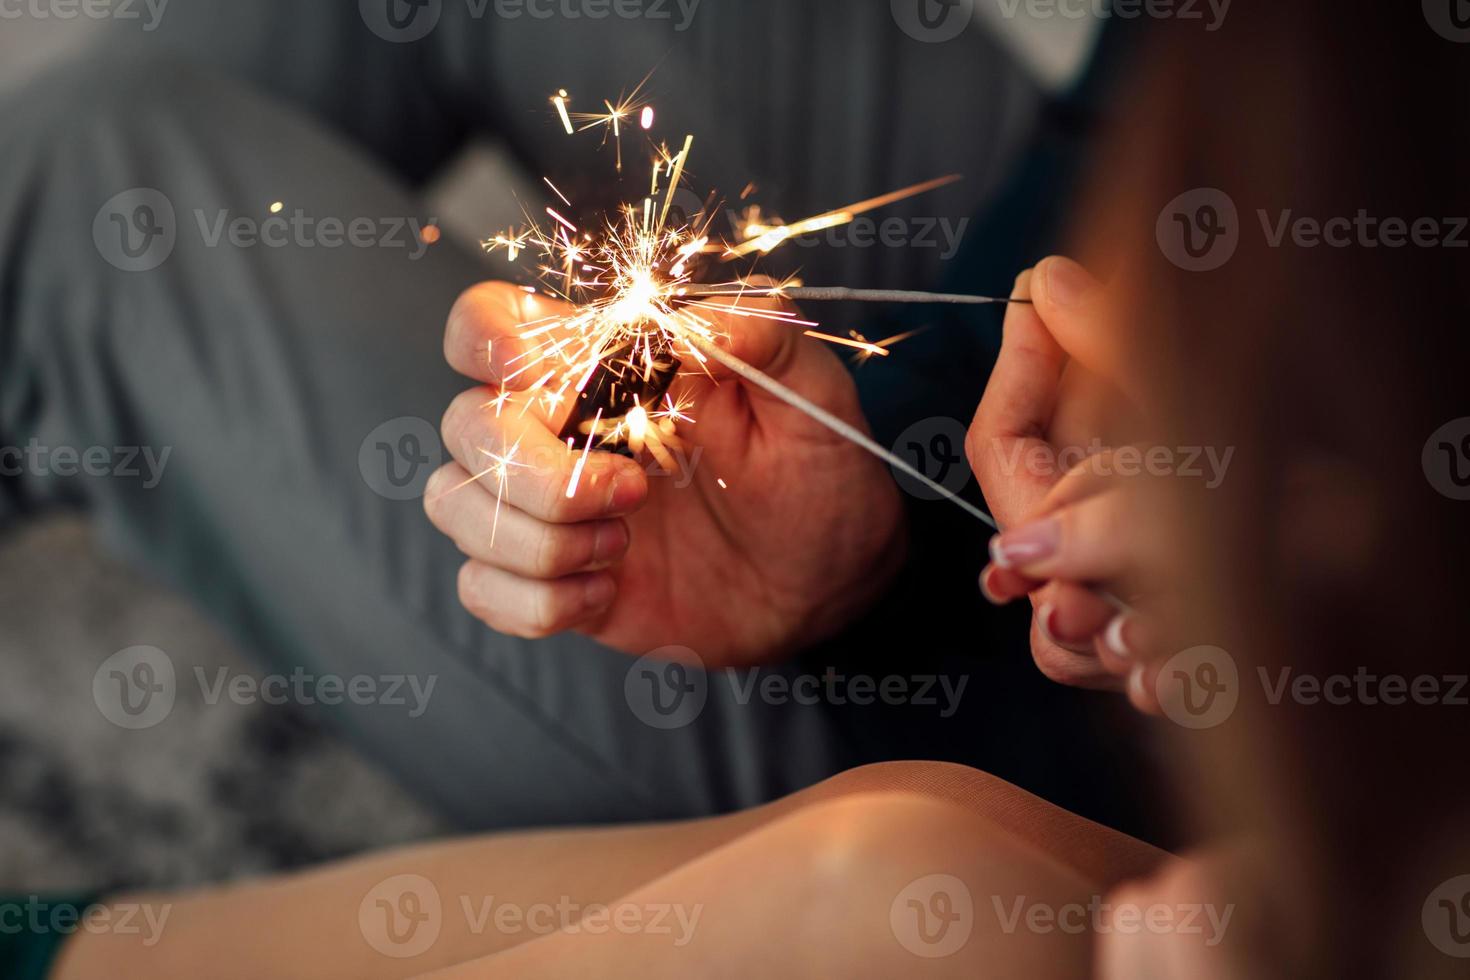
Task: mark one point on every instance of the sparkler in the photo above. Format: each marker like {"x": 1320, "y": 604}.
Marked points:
{"x": 641, "y": 310}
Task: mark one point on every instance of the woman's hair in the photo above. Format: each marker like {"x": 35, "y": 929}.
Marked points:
{"x": 1328, "y": 351}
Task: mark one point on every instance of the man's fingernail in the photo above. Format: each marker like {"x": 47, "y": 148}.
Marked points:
{"x": 1115, "y": 637}
{"x": 986, "y": 590}
{"x": 1067, "y": 283}
{"x": 611, "y": 543}
{"x": 627, "y": 491}
{"x": 1026, "y": 545}
{"x": 600, "y": 592}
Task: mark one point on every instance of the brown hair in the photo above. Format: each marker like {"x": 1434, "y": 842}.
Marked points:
{"x": 1328, "y": 550}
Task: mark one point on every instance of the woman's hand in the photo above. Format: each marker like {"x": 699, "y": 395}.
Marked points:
{"x": 1039, "y": 445}
{"x": 774, "y": 535}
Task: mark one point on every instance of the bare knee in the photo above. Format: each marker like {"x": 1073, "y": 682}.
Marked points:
{"x": 924, "y": 882}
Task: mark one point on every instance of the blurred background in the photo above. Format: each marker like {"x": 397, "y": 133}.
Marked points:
{"x": 233, "y": 789}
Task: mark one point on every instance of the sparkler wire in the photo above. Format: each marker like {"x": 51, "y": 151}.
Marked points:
{"x": 819, "y": 294}
{"x": 818, "y": 414}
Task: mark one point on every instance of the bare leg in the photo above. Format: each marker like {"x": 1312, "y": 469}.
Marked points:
{"x": 854, "y": 834}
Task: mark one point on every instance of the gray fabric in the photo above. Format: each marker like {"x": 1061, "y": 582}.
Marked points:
{"x": 263, "y": 370}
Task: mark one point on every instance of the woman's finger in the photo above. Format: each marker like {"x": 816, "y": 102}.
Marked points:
{"x": 1072, "y": 615}
{"x": 1092, "y": 540}
{"x": 510, "y": 539}
{"x": 1019, "y": 401}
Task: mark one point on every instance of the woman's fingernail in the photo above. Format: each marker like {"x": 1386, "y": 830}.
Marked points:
{"x": 600, "y": 592}
{"x": 1067, "y": 283}
{"x": 1026, "y": 545}
{"x": 1115, "y": 637}
{"x": 986, "y": 590}
{"x": 1044, "y": 614}
{"x": 1136, "y": 690}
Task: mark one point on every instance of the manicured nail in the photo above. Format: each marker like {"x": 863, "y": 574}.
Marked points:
{"x": 1067, "y": 283}
{"x": 1026, "y": 545}
{"x": 600, "y": 592}
{"x": 610, "y": 544}
{"x": 1044, "y": 614}
{"x": 985, "y": 588}
{"x": 1115, "y": 637}
{"x": 1136, "y": 690}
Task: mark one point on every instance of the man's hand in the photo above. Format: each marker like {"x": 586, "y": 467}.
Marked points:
{"x": 808, "y": 531}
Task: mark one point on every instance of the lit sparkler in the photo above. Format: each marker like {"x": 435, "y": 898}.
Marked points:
{"x": 642, "y": 308}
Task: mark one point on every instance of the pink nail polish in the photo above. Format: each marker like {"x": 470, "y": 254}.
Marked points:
{"x": 1027, "y": 545}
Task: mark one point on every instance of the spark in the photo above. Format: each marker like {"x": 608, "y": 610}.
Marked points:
{"x": 642, "y": 305}
{"x": 860, "y": 344}
{"x": 560, "y": 99}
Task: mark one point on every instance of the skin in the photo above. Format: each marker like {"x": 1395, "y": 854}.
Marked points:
{"x": 777, "y": 561}
{"x": 1062, "y": 382}
{"x": 764, "y": 879}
